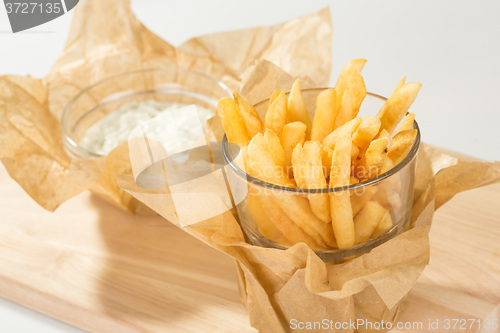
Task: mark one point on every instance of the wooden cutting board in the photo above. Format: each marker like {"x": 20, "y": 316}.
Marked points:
{"x": 100, "y": 269}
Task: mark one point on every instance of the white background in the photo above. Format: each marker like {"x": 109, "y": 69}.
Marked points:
{"x": 451, "y": 47}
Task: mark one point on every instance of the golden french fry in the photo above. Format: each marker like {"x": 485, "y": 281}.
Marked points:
{"x": 407, "y": 123}
{"x": 261, "y": 163}
{"x": 232, "y": 122}
{"x": 297, "y": 110}
{"x": 276, "y": 114}
{"x": 388, "y": 165}
{"x": 274, "y": 145}
{"x": 314, "y": 173}
{"x": 324, "y": 114}
{"x": 385, "y": 134}
{"x": 284, "y": 224}
{"x": 252, "y": 121}
{"x": 358, "y": 200}
{"x": 402, "y": 143}
{"x": 326, "y": 157}
{"x": 351, "y": 91}
{"x": 340, "y": 174}
{"x": 314, "y": 178}
{"x": 347, "y": 129}
{"x": 366, "y": 131}
{"x": 293, "y": 133}
{"x": 354, "y": 152}
{"x": 342, "y": 220}
{"x": 264, "y": 224}
{"x": 340, "y": 204}
{"x": 367, "y": 220}
{"x": 400, "y": 84}
{"x": 299, "y": 211}
{"x": 384, "y": 224}
{"x": 359, "y": 168}
{"x": 375, "y": 156}
{"x": 297, "y": 165}
{"x": 397, "y": 105}
{"x": 363, "y": 137}
{"x": 275, "y": 95}
{"x": 353, "y": 181}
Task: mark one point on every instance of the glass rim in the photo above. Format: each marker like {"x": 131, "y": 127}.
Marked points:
{"x": 64, "y": 130}
{"x": 403, "y": 163}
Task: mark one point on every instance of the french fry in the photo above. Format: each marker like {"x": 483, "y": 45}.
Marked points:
{"x": 297, "y": 110}
{"x": 284, "y": 224}
{"x": 397, "y": 105}
{"x": 366, "y": 131}
{"x": 385, "y": 134}
{"x": 326, "y": 157}
{"x": 376, "y": 154}
{"x": 293, "y": 133}
{"x": 369, "y": 165}
{"x": 367, "y": 220}
{"x": 299, "y": 211}
{"x": 388, "y": 165}
{"x": 341, "y": 162}
{"x": 402, "y": 143}
{"x": 400, "y": 84}
{"x": 298, "y": 165}
{"x": 353, "y": 181}
{"x": 384, "y": 224}
{"x": 407, "y": 123}
{"x": 274, "y": 145}
{"x": 340, "y": 204}
{"x": 276, "y": 114}
{"x": 314, "y": 178}
{"x": 261, "y": 163}
{"x": 324, "y": 114}
{"x": 354, "y": 152}
{"x": 351, "y": 91}
{"x": 358, "y": 200}
{"x": 253, "y": 123}
{"x": 264, "y": 224}
{"x": 275, "y": 95}
{"x": 347, "y": 129}
{"x": 232, "y": 122}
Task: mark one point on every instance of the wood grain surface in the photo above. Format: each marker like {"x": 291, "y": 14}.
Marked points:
{"x": 103, "y": 270}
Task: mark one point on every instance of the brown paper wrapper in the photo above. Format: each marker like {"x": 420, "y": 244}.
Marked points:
{"x": 107, "y": 39}
{"x": 280, "y": 288}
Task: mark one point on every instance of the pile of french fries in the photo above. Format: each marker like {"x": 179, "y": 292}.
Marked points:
{"x": 337, "y": 148}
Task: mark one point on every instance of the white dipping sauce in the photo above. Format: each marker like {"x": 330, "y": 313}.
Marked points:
{"x": 114, "y": 129}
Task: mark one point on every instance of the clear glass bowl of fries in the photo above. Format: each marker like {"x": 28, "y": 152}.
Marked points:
{"x": 277, "y": 214}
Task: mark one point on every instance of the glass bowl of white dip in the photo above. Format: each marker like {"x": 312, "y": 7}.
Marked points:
{"x": 102, "y": 116}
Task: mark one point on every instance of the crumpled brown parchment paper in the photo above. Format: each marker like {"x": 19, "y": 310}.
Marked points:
{"x": 107, "y": 39}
